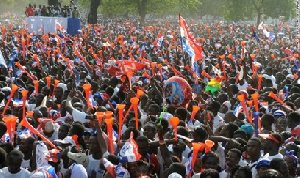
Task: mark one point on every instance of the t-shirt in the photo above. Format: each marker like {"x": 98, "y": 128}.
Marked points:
{"x": 25, "y": 164}
{"x": 94, "y": 167}
{"x": 22, "y": 173}
{"x": 29, "y": 11}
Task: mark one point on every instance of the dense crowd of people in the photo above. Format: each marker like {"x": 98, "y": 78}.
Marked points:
{"x": 122, "y": 99}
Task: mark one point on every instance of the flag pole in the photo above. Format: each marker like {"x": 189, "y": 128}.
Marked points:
{"x": 181, "y": 40}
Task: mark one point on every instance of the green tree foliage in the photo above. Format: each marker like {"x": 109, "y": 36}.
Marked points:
{"x": 247, "y": 9}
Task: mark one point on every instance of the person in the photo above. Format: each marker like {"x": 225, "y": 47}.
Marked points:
{"x": 14, "y": 168}
{"x": 243, "y": 172}
{"x": 232, "y": 159}
{"x": 26, "y": 147}
{"x": 254, "y": 153}
{"x": 280, "y": 165}
{"x": 271, "y": 146}
{"x": 29, "y": 11}
{"x": 75, "y": 13}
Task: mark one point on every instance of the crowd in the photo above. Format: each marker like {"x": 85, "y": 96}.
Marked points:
{"x": 122, "y": 99}
{"x": 53, "y": 11}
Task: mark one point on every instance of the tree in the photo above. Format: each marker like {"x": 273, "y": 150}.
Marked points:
{"x": 241, "y": 9}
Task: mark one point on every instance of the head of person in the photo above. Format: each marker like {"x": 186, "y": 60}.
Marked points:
{"x": 143, "y": 168}
{"x": 149, "y": 130}
{"x": 15, "y": 159}
{"x": 59, "y": 92}
{"x": 280, "y": 165}
{"x": 253, "y": 148}
{"x": 272, "y": 143}
{"x": 293, "y": 119}
{"x": 200, "y": 134}
{"x": 291, "y": 162}
{"x": 210, "y": 161}
{"x": 210, "y": 173}
{"x": 228, "y": 130}
{"x": 26, "y": 145}
{"x": 3, "y": 155}
{"x": 77, "y": 128}
{"x": 266, "y": 121}
{"x": 143, "y": 145}
{"x": 261, "y": 166}
{"x": 178, "y": 168}
{"x": 94, "y": 146}
{"x": 243, "y": 172}
{"x": 229, "y": 117}
{"x": 63, "y": 130}
{"x": 214, "y": 107}
{"x": 233, "y": 157}
{"x": 281, "y": 124}
{"x": 3, "y": 129}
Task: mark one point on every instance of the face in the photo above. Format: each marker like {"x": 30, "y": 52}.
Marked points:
{"x": 149, "y": 131}
{"x": 62, "y": 132}
{"x": 232, "y": 159}
{"x": 253, "y": 148}
{"x": 94, "y": 145}
{"x": 58, "y": 92}
{"x": 143, "y": 147}
{"x": 14, "y": 164}
{"x": 281, "y": 124}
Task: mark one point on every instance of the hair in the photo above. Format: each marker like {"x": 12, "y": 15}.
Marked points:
{"x": 7, "y": 147}
{"x": 127, "y": 132}
{"x": 231, "y": 128}
{"x": 3, "y": 127}
{"x": 256, "y": 140}
{"x": 78, "y": 128}
{"x": 113, "y": 159}
{"x": 237, "y": 152}
{"x": 269, "y": 118}
{"x": 210, "y": 172}
{"x": 142, "y": 139}
{"x": 246, "y": 170}
{"x": 201, "y": 132}
{"x": 141, "y": 163}
{"x": 209, "y": 154}
{"x": 295, "y": 116}
{"x": 182, "y": 131}
{"x": 271, "y": 173}
{"x": 275, "y": 163}
{"x": 178, "y": 168}
{"x": 181, "y": 113}
{"x": 3, "y": 155}
{"x": 241, "y": 132}
{"x": 15, "y": 153}
{"x": 285, "y": 135}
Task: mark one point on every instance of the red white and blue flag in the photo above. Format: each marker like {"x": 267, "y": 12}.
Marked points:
{"x": 189, "y": 43}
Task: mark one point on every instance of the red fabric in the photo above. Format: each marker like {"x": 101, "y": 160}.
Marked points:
{"x": 122, "y": 67}
{"x": 29, "y": 11}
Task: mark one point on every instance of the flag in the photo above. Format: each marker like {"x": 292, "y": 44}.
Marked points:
{"x": 57, "y": 25}
{"x": 254, "y": 34}
{"x": 129, "y": 152}
{"x": 261, "y": 26}
{"x": 121, "y": 67}
{"x": 269, "y": 35}
{"x": 237, "y": 110}
{"x": 189, "y": 44}
{"x": 296, "y": 131}
{"x": 159, "y": 40}
{"x": 2, "y": 60}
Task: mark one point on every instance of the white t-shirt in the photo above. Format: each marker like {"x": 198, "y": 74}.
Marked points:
{"x": 79, "y": 116}
{"x": 22, "y": 173}
{"x": 25, "y": 164}
{"x": 94, "y": 165}
{"x": 217, "y": 122}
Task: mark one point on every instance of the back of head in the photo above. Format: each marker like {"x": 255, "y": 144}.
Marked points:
{"x": 178, "y": 168}
{"x": 271, "y": 173}
{"x": 212, "y": 173}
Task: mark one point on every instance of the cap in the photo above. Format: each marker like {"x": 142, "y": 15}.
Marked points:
{"x": 262, "y": 163}
{"x": 279, "y": 113}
